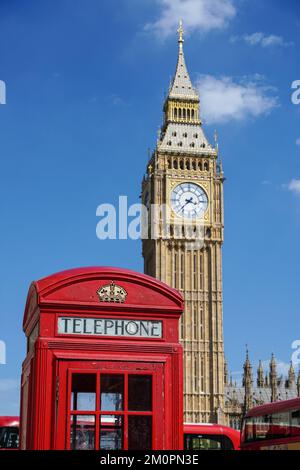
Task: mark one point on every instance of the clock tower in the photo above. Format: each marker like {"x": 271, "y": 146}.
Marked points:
{"x": 182, "y": 246}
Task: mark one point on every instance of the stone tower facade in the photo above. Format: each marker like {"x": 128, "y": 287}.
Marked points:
{"x": 183, "y": 190}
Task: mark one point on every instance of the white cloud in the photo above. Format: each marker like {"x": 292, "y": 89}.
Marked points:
{"x": 202, "y": 15}
{"x": 223, "y": 99}
{"x": 263, "y": 40}
{"x": 294, "y": 186}
{"x": 298, "y": 142}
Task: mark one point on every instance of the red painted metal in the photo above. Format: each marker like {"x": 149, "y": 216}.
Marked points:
{"x": 275, "y": 407}
{"x": 214, "y": 430}
{"x": 277, "y": 435}
{"x": 51, "y": 356}
{"x": 9, "y": 421}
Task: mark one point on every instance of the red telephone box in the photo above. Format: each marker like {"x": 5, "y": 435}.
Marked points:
{"x": 104, "y": 364}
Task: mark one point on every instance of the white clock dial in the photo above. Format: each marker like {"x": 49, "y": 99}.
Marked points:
{"x": 189, "y": 200}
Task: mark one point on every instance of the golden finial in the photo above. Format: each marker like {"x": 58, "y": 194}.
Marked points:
{"x": 180, "y": 32}
{"x": 150, "y": 168}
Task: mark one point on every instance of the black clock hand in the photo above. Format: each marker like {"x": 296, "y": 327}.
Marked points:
{"x": 187, "y": 202}
{"x": 191, "y": 201}
{"x": 181, "y": 208}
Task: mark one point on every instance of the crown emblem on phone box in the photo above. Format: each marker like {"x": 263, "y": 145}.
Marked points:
{"x": 112, "y": 293}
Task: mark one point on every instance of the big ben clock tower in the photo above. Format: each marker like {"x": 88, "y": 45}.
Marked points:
{"x": 184, "y": 175}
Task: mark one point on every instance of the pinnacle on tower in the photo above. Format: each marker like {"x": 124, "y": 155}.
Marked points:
{"x": 180, "y": 32}
{"x": 247, "y": 383}
{"x": 260, "y": 375}
{"x": 273, "y": 379}
{"x": 247, "y": 370}
{"x": 266, "y": 380}
{"x": 291, "y": 376}
{"x": 181, "y": 86}
{"x": 292, "y": 370}
{"x": 182, "y": 130}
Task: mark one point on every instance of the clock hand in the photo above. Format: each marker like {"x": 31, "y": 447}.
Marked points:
{"x": 181, "y": 208}
{"x": 187, "y": 202}
{"x": 191, "y": 201}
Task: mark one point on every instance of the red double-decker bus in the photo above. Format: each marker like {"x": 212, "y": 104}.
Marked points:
{"x": 9, "y": 432}
{"x": 210, "y": 437}
{"x": 275, "y": 426}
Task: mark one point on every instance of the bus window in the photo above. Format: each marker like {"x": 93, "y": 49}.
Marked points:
{"x": 267, "y": 427}
{"x": 9, "y": 438}
{"x": 280, "y": 425}
{"x": 207, "y": 442}
{"x": 295, "y": 423}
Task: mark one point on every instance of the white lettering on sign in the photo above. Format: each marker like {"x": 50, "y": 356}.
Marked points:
{"x": 109, "y": 327}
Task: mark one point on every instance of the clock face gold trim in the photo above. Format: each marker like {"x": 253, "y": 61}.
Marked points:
{"x": 189, "y": 200}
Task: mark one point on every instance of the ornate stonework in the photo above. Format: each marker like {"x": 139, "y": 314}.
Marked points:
{"x": 267, "y": 388}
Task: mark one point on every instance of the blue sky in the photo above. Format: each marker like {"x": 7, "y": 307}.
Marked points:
{"x": 85, "y": 86}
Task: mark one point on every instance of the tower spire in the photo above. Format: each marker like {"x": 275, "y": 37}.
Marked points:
{"x": 260, "y": 375}
{"x": 180, "y": 32}
{"x": 273, "y": 379}
{"x": 181, "y": 86}
{"x": 291, "y": 376}
{"x": 247, "y": 383}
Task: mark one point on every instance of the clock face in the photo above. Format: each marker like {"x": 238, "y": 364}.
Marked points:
{"x": 189, "y": 200}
